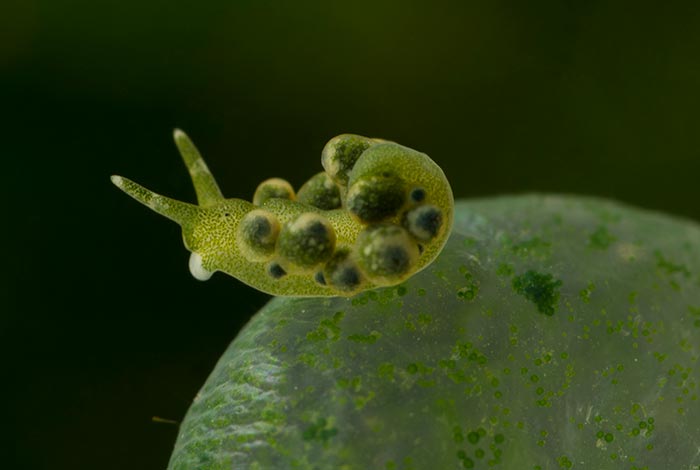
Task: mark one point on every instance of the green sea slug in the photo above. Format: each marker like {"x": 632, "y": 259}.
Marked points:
{"x": 379, "y": 213}
{"x": 548, "y": 332}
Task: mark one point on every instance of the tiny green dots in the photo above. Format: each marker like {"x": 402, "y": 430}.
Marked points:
{"x": 505, "y": 269}
{"x": 540, "y": 289}
{"x": 564, "y": 462}
{"x": 601, "y": 239}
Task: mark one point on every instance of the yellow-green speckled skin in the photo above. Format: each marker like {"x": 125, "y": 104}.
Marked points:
{"x": 210, "y": 228}
{"x": 550, "y": 333}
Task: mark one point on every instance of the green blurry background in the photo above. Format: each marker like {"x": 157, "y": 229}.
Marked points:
{"x": 103, "y": 326}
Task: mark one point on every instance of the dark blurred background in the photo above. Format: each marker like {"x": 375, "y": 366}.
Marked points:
{"x": 103, "y": 325}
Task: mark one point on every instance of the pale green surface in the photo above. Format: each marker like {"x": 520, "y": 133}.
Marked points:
{"x": 210, "y": 229}
{"x": 552, "y": 332}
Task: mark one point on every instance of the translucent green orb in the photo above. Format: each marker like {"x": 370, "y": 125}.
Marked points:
{"x": 551, "y": 332}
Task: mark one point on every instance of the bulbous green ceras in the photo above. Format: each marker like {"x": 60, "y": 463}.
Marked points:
{"x": 379, "y": 213}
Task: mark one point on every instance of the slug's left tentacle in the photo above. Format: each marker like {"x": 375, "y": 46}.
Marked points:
{"x": 182, "y": 213}
{"x": 379, "y": 213}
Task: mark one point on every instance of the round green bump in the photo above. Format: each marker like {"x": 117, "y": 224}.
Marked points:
{"x": 386, "y": 253}
{"x": 424, "y": 222}
{"x": 467, "y": 463}
{"x": 375, "y": 198}
{"x": 272, "y": 188}
{"x": 473, "y": 437}
{"x": 340, "y": 154}
{"x": 499, "y": 438}
{"x": 307, "y": 241}
{"x": 609, "y": 437}
{"x": 257, "y": 234}
{"x": 479, "y": 453}
{"x": 342, "y": 272}
{"x": 320, "y": 191}
{"x": 599, "y": 434}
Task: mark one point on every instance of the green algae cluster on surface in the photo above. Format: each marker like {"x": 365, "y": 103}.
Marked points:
{"x": 551, "y": 333}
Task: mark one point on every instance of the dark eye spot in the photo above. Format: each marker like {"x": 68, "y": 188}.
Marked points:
{"x": 320, "y": 278}
{"x": 418, "y": 195}
{"x": 276, "y": 271}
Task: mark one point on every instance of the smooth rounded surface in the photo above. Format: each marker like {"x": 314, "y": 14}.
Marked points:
{"x": 342, "y": 272}
{"x": 196, "y": 269}
{"x": 461, "y": 367}
{"x": 375, "y": 198}
{"x": 257, "y": 235}
{"x": 320, "y": 191}
{"x": 272, "y": 188}
{"x": 386, "y": 253}
{"x": 423, "y": 222}
{"x": 307, "y": 241}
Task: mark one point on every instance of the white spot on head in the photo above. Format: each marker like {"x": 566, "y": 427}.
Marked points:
{"x": 196, "y": 268}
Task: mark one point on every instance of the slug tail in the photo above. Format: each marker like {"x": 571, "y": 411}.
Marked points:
{"x": 180, "y": 212}
{"x": 208, "y": 192}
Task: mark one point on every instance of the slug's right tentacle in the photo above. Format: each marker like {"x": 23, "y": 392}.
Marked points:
{"x": 208, "y": 192}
